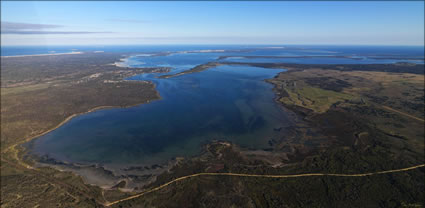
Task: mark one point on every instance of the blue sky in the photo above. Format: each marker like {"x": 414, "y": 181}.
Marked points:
{"x": 237, "y": 22}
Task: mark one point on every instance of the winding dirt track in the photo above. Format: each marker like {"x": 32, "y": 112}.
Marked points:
{"x": 108, "y": 204}
{"x": 262, "y": 176}
{"x": 402, "y": 113}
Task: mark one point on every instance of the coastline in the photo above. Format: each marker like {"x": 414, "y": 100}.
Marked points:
{"x": 15, "y": 152}
{"x": 85, "y": 112}
{"x": 123, "y": 63}
{"x": 45, "y": 54}
{"x": 198, "y": 68}
{"x": 85, "y": 177}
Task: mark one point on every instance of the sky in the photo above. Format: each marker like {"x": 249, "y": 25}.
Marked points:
{"x": 209, "y": 22}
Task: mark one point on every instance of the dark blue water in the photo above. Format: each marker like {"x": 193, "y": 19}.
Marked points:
{"x": 366, "y": 52}
{"x": 184, "y": 61}
{"x": 226, "y": 103}
{"x": 33, "y": 50}
{"x": 323, "y": 60}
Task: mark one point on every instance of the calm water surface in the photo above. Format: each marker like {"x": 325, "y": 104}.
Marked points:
{"x": 227, "y": 103}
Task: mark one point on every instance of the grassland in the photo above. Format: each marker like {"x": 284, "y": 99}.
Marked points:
{"x": 316, "y": 99}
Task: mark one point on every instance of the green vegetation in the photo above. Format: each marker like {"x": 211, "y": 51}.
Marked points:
{"x": 195, "y": 69}
{"x": 313, "y": 98}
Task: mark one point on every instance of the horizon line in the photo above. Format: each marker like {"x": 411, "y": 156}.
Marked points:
{"x": 219, "y": 44}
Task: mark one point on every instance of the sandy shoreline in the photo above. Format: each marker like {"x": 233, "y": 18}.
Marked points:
{"x": 46, "y": 54}
{"x": 77, "y": 114}
{"x": 123, "y": 63}
{"x": 73, "y": 116}
{"x": 15, "y": 151}
{"x": 12, "y": 148}
{"x": 92, "y": 174}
